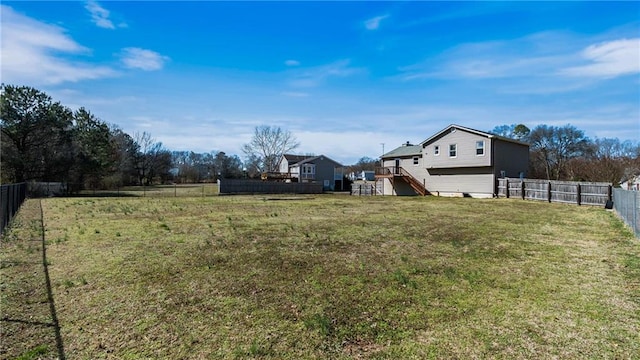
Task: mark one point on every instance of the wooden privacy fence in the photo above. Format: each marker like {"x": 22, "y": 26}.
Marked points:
{"x": 231, "y": 186}
{"x": 11, "y": 197}
{"x": 571, "y": 192}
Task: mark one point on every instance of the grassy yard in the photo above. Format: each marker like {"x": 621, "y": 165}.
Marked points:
{"x": 176, "y": 190}
{"x": 330, "y": 277}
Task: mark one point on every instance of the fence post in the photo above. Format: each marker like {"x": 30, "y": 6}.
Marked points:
{"x": 635, "y": 213}
{"x": 579, "y": 197}
{"x": 609, "y": 197}
{"x": 549, "y": 191}
{"x": 522, "y": 188}
{"x": 12, "y": 196}
{"x": 506, "y": 184}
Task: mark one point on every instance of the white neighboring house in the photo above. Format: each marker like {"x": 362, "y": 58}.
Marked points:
{"x": 456, "y": 161}
{"x": 631, "y": 183}
{"x": 320, "y": 169}
{"x": 368, "y": 175}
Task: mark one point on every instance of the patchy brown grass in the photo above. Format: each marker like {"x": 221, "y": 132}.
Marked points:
{"x": 28, "y": 324}
{"x": 337, "y": 277}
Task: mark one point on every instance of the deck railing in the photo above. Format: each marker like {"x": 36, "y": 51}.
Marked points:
{"x": 385, "y": 171}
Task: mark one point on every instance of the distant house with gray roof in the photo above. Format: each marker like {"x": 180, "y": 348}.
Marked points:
{"x": 456, "y": 161}
{"x": 312, "y": 168}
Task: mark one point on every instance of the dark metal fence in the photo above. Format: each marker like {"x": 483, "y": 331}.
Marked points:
{"x": 46, "y": 189}
{"x": 232, "y": 186}
{"x": 572, "y": 192}
{"x": 11, "y": 197}
{"x": 627, "y": 205}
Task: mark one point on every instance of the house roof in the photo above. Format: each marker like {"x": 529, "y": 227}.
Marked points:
{"x": 404, "y": 151}
{"x": 295, "y": 160}
{"x": 469, "y": 130}
{"x": 632, "y": 177}
{"x": 292, "y": 159}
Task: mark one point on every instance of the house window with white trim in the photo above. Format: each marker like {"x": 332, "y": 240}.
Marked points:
{"x": 480, "y": 148}
{"x": 453, "y": 150}
{"x": 308, "y": 171}
{"x": 436, "y": 150}
{"x": 416, "y": 161}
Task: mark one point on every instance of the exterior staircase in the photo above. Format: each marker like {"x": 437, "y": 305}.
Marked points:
{"x": 400, "y": 174}
{"x": 413, "y": 182}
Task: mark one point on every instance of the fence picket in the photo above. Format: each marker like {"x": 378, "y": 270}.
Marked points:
{"x": 11, "y": 197}
{"x": 627, "y": 205}
{"x": 571, "y": 192}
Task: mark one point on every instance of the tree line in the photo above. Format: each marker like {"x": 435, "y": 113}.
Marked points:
{"x": 42, "y": 140}
{"x": 566, "y": 153}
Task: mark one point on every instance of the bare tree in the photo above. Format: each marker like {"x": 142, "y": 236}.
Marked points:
{"x": 552, "y": 147}
{"x": 268, "y": 144}
{"x": 364, "y": 163}
{"x": 151, "y": 159}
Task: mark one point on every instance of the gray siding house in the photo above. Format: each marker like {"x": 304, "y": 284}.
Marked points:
{"x": 457, "y": 161}
{"x": 318, "y": 169}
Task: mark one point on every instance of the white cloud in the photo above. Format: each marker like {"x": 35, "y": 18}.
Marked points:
{"x": 36, "y": 53}
{"x": 609, "y": 59}
{"x": 374, "y": 23}
{"x": 137, "y": 58}
{"x": 542, "y": 63}
{"x": 99, "y": 15}
{"x": 534, "y": 55}
{"x": 292, "y": 63}
{"x": 315, "y": 76}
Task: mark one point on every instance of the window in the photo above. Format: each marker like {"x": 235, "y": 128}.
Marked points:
{"x": 453, "y": 150}
{"x": 416, "y": 161}
{"x": 436, "y": 150}
{"x": 480, "y": 148}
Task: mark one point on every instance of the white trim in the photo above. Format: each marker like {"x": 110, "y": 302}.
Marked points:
{"x": 455, "y": 150}
{"x": 484, "y": 148}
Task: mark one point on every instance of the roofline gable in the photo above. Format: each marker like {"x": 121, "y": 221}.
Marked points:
{"x": 394, "y": 153}
{"x": 472, "y": 131}
{"x": 313, "y": 158}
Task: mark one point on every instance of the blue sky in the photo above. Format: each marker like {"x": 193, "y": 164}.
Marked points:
{"x": 343, "y": 77}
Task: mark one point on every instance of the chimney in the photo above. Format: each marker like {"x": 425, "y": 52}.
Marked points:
{"x": 407, "y": 144}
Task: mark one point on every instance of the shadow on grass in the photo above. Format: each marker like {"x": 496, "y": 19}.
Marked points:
{"x": 107, "y": 194}
{"x": 25, "y": 303}
{"x": 52, "y": 305}
{"x": 104, "y": 194}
